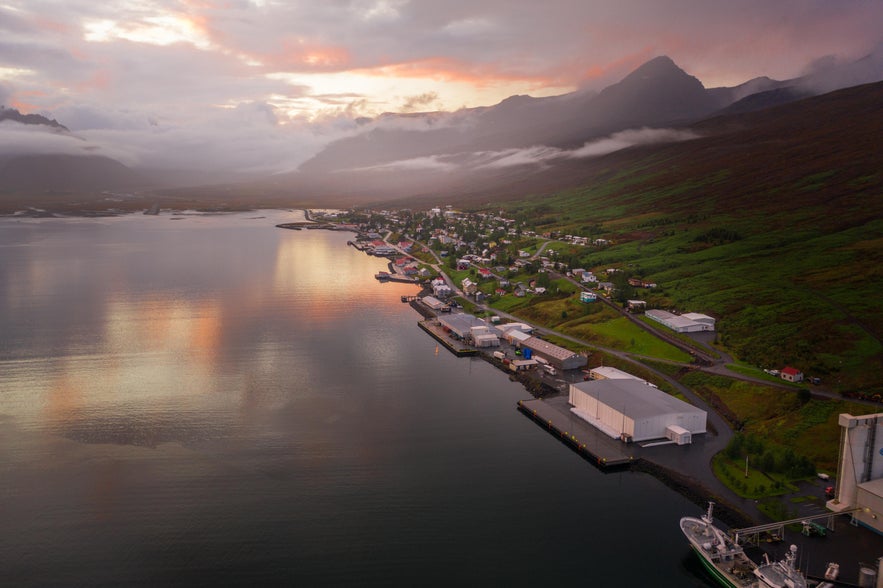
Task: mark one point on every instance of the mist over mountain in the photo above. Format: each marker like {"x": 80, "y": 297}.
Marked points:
{"x": 656, "y": 94}
{"x": 484, "y": 149}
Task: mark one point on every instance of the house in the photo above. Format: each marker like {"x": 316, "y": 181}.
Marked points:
{"x": 587, "y": 297}
{"x": 519, "y": 291}
{"x": 484, "y": 273}
{"x": 637, "y": 305}
{"x": 639, "y": 283}
{"x": 463, "y": 264}
{"x": 606, "y": 286}
{"x": 539, "y": 290}
{"x": 588, "y": 277}
{"x": 468, "y": 286}
{"x": 791, "y": 374}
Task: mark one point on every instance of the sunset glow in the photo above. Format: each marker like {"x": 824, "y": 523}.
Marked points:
{"x": 155, "y": 80}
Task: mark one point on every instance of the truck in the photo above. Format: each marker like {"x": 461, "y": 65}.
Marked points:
{"x": 549, "y": 369}
{"x": 499, "y": 355}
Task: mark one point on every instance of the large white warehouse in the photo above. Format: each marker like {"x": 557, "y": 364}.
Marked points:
{"x": 633, "y": 411}
{"x": 691, "y": 322}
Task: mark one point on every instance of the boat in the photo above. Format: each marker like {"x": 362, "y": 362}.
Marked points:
{"x": 781, "y": 574}
{"x": 720, "y": 555}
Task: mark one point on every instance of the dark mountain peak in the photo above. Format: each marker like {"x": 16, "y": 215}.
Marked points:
{"x": 658, "y": 67}
{"x": 658, "y": 92}
{"x": 659, "y": 77}
{"x": 516, "y": 99}
{"x": 29, "y": 119}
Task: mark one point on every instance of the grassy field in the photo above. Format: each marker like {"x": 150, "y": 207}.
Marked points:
{"x": 799, "y": 295}
{"x": 783, "y": 418}
{"x": 784, "y": 244}
{"x": 756, "y": 484}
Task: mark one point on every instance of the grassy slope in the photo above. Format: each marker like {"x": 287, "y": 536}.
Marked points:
{"x": 802, "y": 188}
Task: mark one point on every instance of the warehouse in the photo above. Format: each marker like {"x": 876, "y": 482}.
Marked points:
{"x": 433, "y": 303}
{"x": 632, "y": 411}
{"x": 561, "y": 358}
{"x": 483, "y": 337}
{"x": 691, "y": 322}
{"x": 461, "y": 324}
{"x": 611, "y": 373}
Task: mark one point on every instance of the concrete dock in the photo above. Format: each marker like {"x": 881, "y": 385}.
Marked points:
{"x": 582, "y": 437}
{"x": 458, "y": 348}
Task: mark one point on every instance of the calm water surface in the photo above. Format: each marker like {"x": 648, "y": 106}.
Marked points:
{"x": 214, "y": 401}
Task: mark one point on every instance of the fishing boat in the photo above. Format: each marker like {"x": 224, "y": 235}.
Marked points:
{"x": 781, "y": 574}
{"x": 720, "y": 555}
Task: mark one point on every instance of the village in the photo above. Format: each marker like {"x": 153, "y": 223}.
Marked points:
{"x": 597, "y": 395}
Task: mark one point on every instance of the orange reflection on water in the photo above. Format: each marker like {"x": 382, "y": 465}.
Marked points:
{"x": 190, "y": 328}
{"x": 321, "y": 272}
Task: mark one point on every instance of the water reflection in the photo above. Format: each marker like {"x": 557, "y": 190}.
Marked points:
{"x": 215, "y": 401}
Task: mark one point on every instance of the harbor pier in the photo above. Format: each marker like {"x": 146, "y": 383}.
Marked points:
{"x": 580, "y": 436}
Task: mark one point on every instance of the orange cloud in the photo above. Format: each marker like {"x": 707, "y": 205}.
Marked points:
{"x": 445, "y": 69}
{"x": 301, "y": 56}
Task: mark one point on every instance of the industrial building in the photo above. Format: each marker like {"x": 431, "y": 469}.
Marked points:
{"x": 515, "y": 337}
{"x": 433, "y": 303}
{"x": 632, "y": 411}
{"x": 483, "y": 337}
{"x": 611, "y": 373}
{"x": 859, "y": 483}
{"x": 460, "y": 324}
{"x": 691, "y": 322}
{"x": 561, "y": 358}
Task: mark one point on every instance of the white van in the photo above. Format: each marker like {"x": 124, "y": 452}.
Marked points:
{"x": 550, "y": 370}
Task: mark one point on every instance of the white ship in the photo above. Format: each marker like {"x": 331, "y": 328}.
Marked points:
{"x": 781, "y": 574}
{"x": 721, "y": 556}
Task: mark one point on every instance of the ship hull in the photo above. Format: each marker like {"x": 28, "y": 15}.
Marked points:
{"x": 713, "y": 571}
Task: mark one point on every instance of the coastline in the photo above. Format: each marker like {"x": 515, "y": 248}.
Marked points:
{"x": 685, "y": 470}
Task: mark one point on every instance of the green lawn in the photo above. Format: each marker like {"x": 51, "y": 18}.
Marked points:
{"x": 621, "y": 333}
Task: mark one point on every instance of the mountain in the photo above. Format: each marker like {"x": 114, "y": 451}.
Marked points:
{"x": 23, "y": 171}
{"x": 67, "y": 173}
{"x": 771, "y": 221}
{"x": 658, "y": 93}
{"x": 29, "y": 119}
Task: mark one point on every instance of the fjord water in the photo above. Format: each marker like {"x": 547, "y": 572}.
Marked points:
{"x": 209, "y": 400}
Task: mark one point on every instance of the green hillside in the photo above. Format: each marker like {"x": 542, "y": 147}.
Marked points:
{"x": 771, "y": 221}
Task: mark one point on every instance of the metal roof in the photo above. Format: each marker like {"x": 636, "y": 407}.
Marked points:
{"x": 548, "y": 348}
{"x": 635, "y": 399}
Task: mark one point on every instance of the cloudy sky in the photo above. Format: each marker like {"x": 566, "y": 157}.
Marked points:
{"x": 153, "y": 82}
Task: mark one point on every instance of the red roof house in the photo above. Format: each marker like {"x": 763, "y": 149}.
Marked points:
{"x": 791, "y": 374}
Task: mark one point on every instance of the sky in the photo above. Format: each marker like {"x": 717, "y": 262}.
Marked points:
{"x": 263, "y": 84}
